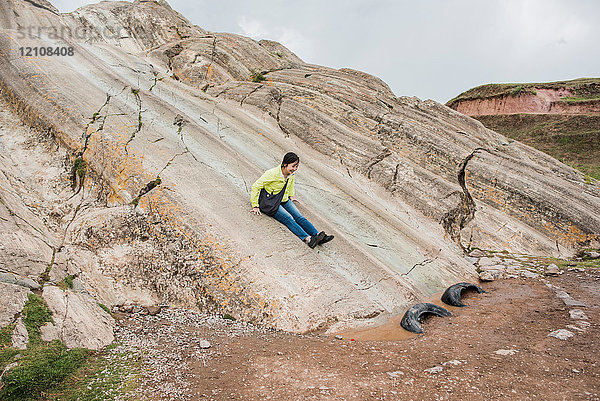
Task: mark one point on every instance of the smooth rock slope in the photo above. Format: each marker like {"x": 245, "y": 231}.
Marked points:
{"x": 157, "y": 129}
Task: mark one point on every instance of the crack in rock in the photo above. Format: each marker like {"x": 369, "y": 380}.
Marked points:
{"x": 250, "y": 94}
{"x": 212, "y": 59}
{"x": 93, "y": 119}
{"x": 422, "y": 263}
{"x": 377, "y": 159}
{"x": 457, "y": 218}
{"x": 136, "y": 93}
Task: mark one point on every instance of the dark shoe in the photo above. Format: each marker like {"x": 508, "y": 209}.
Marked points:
{"x": 326, "y": 239}
{"x": 316, "y": 239}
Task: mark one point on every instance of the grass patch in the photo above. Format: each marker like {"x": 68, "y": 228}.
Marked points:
{"x": 6, "y": 335}
{"x": 66, "y": 283}
{"x": 574, "y": 99}
{"x": 106, "y": 375}
{"x": 516, "y": 91}
{"x": 7, "y": 356}
{"x": 42, "y": 368}
{"x": 35, "y": 314}
{"x": 257, "y": 77}
{"x": 106, "y": 308}
{"x": 572, "y": 139}
{"x": 50, "y": 371}
{"x": 79, "y": 169}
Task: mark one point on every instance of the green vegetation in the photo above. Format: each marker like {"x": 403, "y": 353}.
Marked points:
{"x": 105, "y": 375}
{"x": 582, "y": 88}
{"x": 535, "y": 263}
{"x": 257, "y": 77}
{"x": 516, "y": 91}
{"x": 6, "y": 335}
{"x": 35, "y": 314}
{"x": 66, "y": 283}
{"x": 50, "y": 371}
{"x": 41, "y": 368}
{"x": 78, "y": 170}
{"x": 106, "y": 308}
{"x": 572, "y": 139}
{"x": 45, "y": 276}
{"x": 574, "y": 99}
{"x": 227, "y": 316}
{"x": 42, "y": 364}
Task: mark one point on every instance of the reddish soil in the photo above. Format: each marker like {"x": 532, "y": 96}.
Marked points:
{"x": 545, "y": 101}
{"x": 516, "y": 314}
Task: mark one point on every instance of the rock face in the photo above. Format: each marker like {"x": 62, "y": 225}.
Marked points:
{"x": 78, "y": 320}
{"x": 13, "y": 300}
{"x": 161, "y": 127}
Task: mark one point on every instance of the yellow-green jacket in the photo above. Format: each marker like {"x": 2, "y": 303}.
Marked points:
{"x": 272, "y": 181}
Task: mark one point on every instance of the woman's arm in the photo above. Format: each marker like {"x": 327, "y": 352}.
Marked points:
{"x": 256, "y": 187}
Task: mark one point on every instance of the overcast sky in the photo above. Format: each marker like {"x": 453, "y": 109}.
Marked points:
{"x": 433, "y": 49}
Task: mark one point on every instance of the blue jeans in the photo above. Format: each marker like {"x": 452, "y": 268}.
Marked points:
{"x": 288, "y": 215}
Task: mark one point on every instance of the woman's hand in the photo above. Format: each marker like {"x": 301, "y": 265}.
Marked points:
{"x": 295, "y": 200}
{"x": 256, "y": 211}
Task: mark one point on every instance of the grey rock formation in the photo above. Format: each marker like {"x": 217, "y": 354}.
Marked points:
{"x": 10, "y": 278}
{"x": 20, "y": 337}
{"x": 405, "y": 185}
{"x": 78, "y": 319}
{"x": 49, "y": 332}
{"x": 14, "y": 298}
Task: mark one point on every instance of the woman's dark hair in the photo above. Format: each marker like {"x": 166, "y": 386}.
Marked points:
{"x": 289, "y": 158}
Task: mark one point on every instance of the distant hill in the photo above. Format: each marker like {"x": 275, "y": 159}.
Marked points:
{"x": 561, "y": 118}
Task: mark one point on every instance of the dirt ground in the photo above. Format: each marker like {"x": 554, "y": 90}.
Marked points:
{"x": 495, "y": 348}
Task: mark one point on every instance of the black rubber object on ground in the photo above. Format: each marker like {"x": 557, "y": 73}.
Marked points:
{"x": 452, "y": 296}
{"x": 410, "y": 320}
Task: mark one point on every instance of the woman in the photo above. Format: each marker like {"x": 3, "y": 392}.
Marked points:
{"x": 273, "y": 181}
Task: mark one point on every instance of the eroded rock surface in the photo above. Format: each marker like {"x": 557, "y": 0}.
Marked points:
{"x": 13, "y": 300}
{"x": 174, "y": 123}
{"x": 79, "y": 321}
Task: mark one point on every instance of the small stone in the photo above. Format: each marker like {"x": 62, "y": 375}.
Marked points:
{"x": 49, "y": 332}
{"x": 153, "y": 310}
{"x": 204, "y": 344}
{"x": 579, "y": 329}
{"x": 505, "y": 352}
{"x": 477, "y": 254}
{"x": 578, "y": 314}
{"x": 486, "y": 276}
{"x": 561, "y": 334}
{"x": 28, "y": 283}
{"x": 20, "y": 337}
{"x": 9, "y": 367}
{"x": 395, "y": 373}
{"x": 592, "y": 254}
{"x": 528, "y": 274}
{"x": 78, "y": 285}
{"x": 583, "y": 324}
{"x": 552, "y": 270}
{"x": 489, "y": 261}
{"x": 126, "y": 308}
{"x": 454, "y": 362}
{"x": 434, "y": 370}
{"x": 472, "y": 260}
{"x": 338, "y": 337}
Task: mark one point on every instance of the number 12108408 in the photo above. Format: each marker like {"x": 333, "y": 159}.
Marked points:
{"x": 46, "y": 51}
